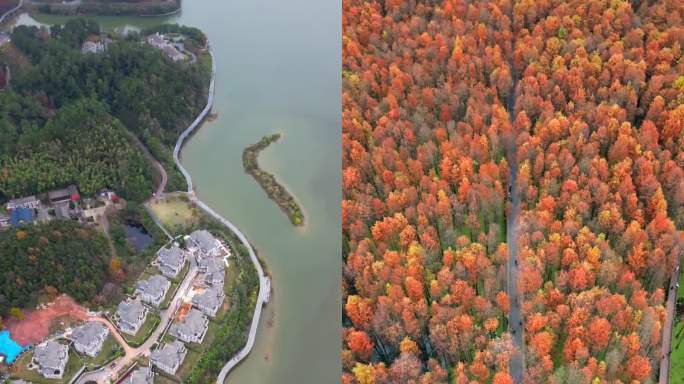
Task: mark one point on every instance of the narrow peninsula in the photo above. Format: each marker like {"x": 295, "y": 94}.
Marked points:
{"x": 268, "y": 182}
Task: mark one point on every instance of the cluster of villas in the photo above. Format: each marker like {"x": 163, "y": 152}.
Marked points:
{"x": 57, "y": 204}
{"x": 171, "y": 45}
{"x": 210, "y": 254}
{"x": 51, "y": 357}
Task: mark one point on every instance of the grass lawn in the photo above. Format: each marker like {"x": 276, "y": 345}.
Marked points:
{"x": 182, "y": 273}
{"x": 145, "y": 330}
{"x": 21, "y": 370}
{"x": 231, "y": 276}
{"x": 110, "y": 350}
{"x": 677, "y": 357}
{"x": 169, "y": 296}
{"x": 195, "y": 351}
{"x": 159, "y": 379}
{"x": 680, "y": 291}
{"x": 175, "y": 213}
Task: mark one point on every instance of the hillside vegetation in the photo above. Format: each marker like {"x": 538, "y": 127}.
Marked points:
{"x": 34, "y": 263}
{"x": 64, "y": 118}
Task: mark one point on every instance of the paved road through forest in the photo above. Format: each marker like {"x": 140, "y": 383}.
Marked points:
{"x": 664, "y": 375}
{"x": 512, "y": 231}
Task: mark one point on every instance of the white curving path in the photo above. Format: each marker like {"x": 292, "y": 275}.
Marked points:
{"x": 264, "y": 282}
{"x": 11, "y": 11}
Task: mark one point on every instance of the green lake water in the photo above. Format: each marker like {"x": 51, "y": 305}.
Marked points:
{"x": 278, "y": 71}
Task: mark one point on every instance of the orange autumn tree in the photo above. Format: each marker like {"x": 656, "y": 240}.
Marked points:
{"x": 584, "y": 99}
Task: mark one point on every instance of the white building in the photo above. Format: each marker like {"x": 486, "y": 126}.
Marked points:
{"x": 153, "y": 290}
{"x": 51, "y": 357}
{"x": 193, "y": 327}
{"x": 171, "y": 260}
{"x": 169, "y": 357}
{"x": 89, "y": 337}
{"x": 130, "y": 315}
{"x": 203, "y": 244}
{"x": 209, "y": 301}
{"x": 142, "y": 375}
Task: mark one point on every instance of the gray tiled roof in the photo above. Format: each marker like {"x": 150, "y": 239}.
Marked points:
{"x": 142, "y": 375}
{"x": 154, "y": 286}
{"x": 204, "y": 239}
{"x": 170, "y": 354}
{"x": 51, "y": 354}
{"x": 88, "y": 333}
{"x": 211, "y": 264}
{"x": 172, "y": 256}
{"x": 130, "y": 311}
{"x": 194, "y": 323}
{"x": 210, "y": 298}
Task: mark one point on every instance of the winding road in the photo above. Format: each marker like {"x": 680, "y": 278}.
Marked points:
{"x": 162, "y": 172}
{"x": 664, "y": 375}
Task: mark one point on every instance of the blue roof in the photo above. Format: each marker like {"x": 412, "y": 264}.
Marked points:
{"x": 21, "y": 215}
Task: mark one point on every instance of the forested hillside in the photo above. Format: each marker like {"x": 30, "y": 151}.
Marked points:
{"x": 50, "y": 135}
{"x": 34, "y": 263}
{"x": 584, "y": 100}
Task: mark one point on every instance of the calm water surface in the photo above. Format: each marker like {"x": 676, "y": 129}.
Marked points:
{"x": 278, "y": 71}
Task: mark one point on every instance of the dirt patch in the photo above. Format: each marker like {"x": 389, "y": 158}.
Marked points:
{"x": 39, "y": 323}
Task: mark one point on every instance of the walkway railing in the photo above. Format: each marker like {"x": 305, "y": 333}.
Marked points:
{"x": 264, "y": 283}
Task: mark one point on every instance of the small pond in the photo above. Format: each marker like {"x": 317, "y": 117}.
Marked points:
{"x": 137, "y": 236}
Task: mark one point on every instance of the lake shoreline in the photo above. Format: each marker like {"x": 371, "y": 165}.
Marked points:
{"x": 264, "y": 281}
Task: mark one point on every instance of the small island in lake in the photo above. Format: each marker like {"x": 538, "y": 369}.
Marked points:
{"x": 268, "y": 182}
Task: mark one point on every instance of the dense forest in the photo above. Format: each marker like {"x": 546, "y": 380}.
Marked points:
{"x": 33, "y": 263}
{"x": 47, "y": 118}
{"x": 441, "y": 99}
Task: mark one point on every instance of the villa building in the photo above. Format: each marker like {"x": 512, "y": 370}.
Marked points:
{"x": 169, "y": 357}
{"x": 142, "y": 375}
{"x": 209, "y": 301}
{"x": 203, "y": 244}
{"x": 193, "y": 327}
{"x": 90, "y": 47}
{"x": 171, "y": 260}
{"x": 130, "y": 315}
{"x": 89, "y": 337}
{"x": 51, "y": 357}
{"x": 160, "y": 42}
{"x": 214, "y": 270}
{"x": 153, "y": 290}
